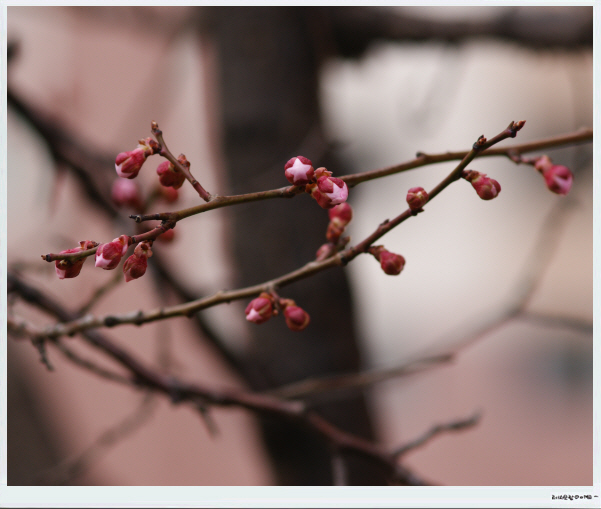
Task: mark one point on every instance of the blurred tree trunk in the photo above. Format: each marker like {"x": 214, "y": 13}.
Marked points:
{"x": 268, "y": 64}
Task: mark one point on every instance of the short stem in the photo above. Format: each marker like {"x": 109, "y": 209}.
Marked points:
{"x": 166, "y": 153}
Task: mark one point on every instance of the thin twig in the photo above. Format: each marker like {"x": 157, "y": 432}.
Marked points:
{"x": 314, "y": 386}
{"x": 437, "y": 430}
{"x": 89, "y": 365}
{"x": 188, "y": 309}
{"x": 166, "y": 153}
{"x": 179, "y": 391}
{"x": 171, "y": 218}
{"x": 581, "y": 136}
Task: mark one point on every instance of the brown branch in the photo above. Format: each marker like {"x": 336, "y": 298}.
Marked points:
{"x": 188, "y": 309}
{"x": 516, "y": 308}
{"x": 581, "y": 136}
{"x": 171, "y": 218}
{"x": 180, "y": 391}
{"x": 437, "y": 430}
{"x": 89, "y": 365}
{"x": 150, "y": 235}
{"x": 314, "y": 386}
{"x": 89, "y": 167}
{"x": 165, "y": 152}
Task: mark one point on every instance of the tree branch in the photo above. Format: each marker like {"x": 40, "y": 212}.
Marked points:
{"x": 435, "y": 431}
{"x": 180, "y": 391}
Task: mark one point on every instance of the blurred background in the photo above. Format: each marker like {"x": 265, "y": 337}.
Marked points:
{"x": 240, "y": 91}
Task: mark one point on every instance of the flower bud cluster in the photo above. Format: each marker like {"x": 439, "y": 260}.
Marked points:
{"x": 135, "y": 266}
{"x": 486, "y": 187}
{"x": 66, "y": 269}
{"x": 328, "y": 191}
{"x": 391, "y": 263}
{"x": 340, "y": 216}
{"x": 557, "y": 178}
{"x": 109, "y": 255}
{"x": 262, "y": 308}
{"x": 169, "y": 175}
{"x": 128, "y": 164}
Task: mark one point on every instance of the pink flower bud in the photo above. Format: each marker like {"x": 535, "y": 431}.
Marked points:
{"x": 558, "y": 179}
{"x": 66, "y": 269}
{"x": 260, "y": 310}
{"x": 135, "y": 266}
{"x": 342, "y": 213}
{"x": 391, "y": 263}
{"x": 169, "y": 175}
{"x": 296, "y": 318}
{"x": 299, "y": 171}
{"x": 328, "y": 191}
{"x": 169, "y": 194}
{"x": 109, "y": 255}
{"x": 128, "y": 164}
{"x": 486, "y": 188}
{"x": 325, "y": 251}
{"x": 126, "y": 193}
{"x": 340, "y": 216}
{"x": 417, "y": 197}
{"x": 543, "y": 163}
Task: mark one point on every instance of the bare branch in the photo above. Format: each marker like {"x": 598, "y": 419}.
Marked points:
{"x": 313, "y": 386}
{"x": 188, "y": 309}
{"x": 435, "y": 431}
{"x": 165, "y": 152}
{"x": 180, "y": 391}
